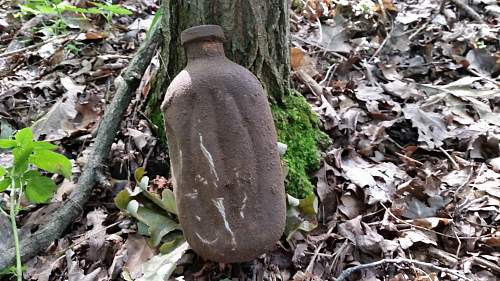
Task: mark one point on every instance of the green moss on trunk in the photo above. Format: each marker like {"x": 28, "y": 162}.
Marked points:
{"x": 298, "y": 127}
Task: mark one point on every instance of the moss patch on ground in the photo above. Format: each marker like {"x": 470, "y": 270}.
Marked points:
{"x": 298, "y": 127}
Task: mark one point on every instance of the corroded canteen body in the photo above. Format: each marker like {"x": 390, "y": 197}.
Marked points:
{"x": 223, "y": 149}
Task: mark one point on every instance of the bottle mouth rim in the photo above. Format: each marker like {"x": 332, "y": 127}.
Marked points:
{"x": 200, "y": 32}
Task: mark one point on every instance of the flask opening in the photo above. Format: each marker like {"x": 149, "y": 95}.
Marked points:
{"x": 202, "y": 32}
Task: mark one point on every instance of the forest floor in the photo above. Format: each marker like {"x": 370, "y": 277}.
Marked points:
{"x": 408, "y": 91}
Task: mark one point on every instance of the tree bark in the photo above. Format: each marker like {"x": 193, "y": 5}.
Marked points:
{"x": 256, "y": 38}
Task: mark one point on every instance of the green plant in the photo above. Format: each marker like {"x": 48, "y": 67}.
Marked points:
{"x": 57, "y": 7}
{"x": 23, "y": 177}
{"x": 74, "y": 47}
{"x": 156, "y": 216}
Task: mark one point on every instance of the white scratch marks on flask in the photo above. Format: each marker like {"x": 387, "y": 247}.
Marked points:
{"x": 219, "y": 204}
{"x": 206, "y": 241}
{"x": 192, "y": 195}
{"x": 243, "y": 205}
{"x": 201, "y": 179}
{"x": 208, "y": 156}
{"x": 180, "y": 159}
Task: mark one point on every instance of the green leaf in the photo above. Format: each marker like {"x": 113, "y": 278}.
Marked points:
{"x": 168, "y": 200}
{"x": 300, "y": 215}
{"x": 156, "y": 19}
{"x": 21, "y": 156}
{"x": 39, "y": 189}
{"x": 174, "y": 240}
{"x": 27, "y": 9}
{"x": 43, "y": 145}
{"x": 159, "y": 225}
{"x": 122, "y": 199}
{"x": 6, "y": 143}
{"x": 24, "y": 136}
{"x": 114, "y": 9}
{"x": 139, "y": 173}
{"x": 93, "y": 11}
{"x": 44, "y": 9}
{"x": 4, "y": 184}
{"x": 309, "y": 205}
{"x": 51, "y": 162}
{"x": 160, "y": 267}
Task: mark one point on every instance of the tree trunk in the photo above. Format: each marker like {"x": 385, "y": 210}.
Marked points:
{"x": 256, "y": 38}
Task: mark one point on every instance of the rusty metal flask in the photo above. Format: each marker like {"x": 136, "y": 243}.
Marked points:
{"x": 223, "y": 149}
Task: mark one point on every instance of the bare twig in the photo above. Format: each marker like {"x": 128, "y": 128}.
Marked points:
{"x": 316, "y": 89}
{"x": 106, "y": 132}
{"x": 6, "y": 54}
{"x": 327, "y": 75}
{"x": 434, "y": 15}
{"x": 442, "y": 255}
{"x": 426, "y": 229}
{"x": 487, "y": 264}
{"x": 473, "y": 14}
{"x": 382, "y": 9}
{"x": 483, "y": 76}
{"x": 343, "y": 248}
{"x": 409, "y": 158}
{"x": 418, "y": 30}
{"x": 319, "y": 46}
{"x": 387, "y": 38}
{"x": 453, "y": 162}
{"x": 346, "y": 273}
{"x": 316, "y": 253}
{"x": 457, "y": 253}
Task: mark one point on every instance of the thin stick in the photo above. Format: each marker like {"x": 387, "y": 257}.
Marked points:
{"x": 382, "y": 9}
{"x": 484, "y": 77}
{"x": 455, "y": 164}
{"x": 418, "y": 31}
{"x": 473, "y": 14}
{"x": 486, "y": 263}
{"x": 320, "y": 47}
{"x": 316, "y": 252}
{"x": 327, "y": 75}
{"x": 389, "y": 35}
{"x": 32, "y": 46}
{"x": 434, "y": 15}
{"x": 346, "y": 273}
{"x": 425, "y": 229}
{"x": 409, "y": 158}
{"x": 316, "y": 89}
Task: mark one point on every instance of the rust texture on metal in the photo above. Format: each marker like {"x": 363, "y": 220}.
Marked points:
{"x": 223, "y": 147}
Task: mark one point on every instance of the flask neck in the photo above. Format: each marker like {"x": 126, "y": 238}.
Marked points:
{"x": 204, "y": 49}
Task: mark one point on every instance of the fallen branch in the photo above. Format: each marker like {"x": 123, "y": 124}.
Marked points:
{"x": 127, "y": 83}
{"x": 346, "y": 273}
{"x": 467, "y": 9}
